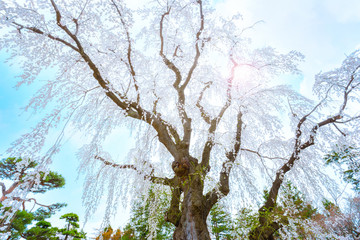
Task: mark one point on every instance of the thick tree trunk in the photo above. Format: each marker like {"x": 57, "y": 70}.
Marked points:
{"x": 192, "y": 224}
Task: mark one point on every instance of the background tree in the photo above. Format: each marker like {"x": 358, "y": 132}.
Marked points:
{"x": 22, "y": 219}
{"x": 71, "y": 228}
{"x": 110, "y": 234}
{"x": 221, "y": 223}
{"x": 19, "y": 224}
{"x": 343, "y": 222}
{"x": 148, "y": 216}
{"x": 41, "y": 231}
{"x": 348, "y": 159}
{"x": 175, "y": 81}
{"x": 21, "y": 174}
{"x": 44, "y": 230}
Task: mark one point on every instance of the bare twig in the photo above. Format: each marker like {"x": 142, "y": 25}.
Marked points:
{"x": 262, "y": 156}
{"x": 38, "y": 31}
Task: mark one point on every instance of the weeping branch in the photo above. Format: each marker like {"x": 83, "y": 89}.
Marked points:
{"x": 150, "y": 177}
{"x": 131, "y": 108}
{"x": 299, "y": 146}
{"x": 38, "y": 31}
{"x": 186, "y": 121}
{"x": 129, "y": 63}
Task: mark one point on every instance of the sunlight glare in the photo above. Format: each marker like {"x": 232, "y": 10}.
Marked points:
{"x": 245, "y": 76}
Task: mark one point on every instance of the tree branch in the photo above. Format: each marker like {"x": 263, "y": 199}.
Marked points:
{"x": 38, "y": 31}
{"x": 150, "y": 177}
{"x": 214, "y": 122}
{"x": 129, "y": 52}
{"x": 9, "y": 190}
{"x": 3, "y": 190}
{"x": 223, "y": 187}
{"x": 299, "y": 146}
{"x": 204, "y": 114}
{"x": 186, "y": 121}
{"x": 260, "y": 155}
{"x": 167, "y": 62}
{"x": 29, "y": 200}
{"x": 173, "y": 214}
{"x": 261, "y": 158}
{"x": 197, "y": 55}
{"x": 131, "y": 108}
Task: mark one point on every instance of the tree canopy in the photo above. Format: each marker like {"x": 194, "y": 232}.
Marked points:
{"x": 26, "y": 223}
{"x": 206, "y": 111}
{"x": 23, "y": 176}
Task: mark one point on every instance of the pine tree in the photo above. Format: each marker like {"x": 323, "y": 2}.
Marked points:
{"x": 145, "y": 223}
{"x": 221, "y": 223}
{"x": 71, "y": 228}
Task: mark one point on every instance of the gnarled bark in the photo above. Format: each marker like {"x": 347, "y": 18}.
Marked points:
{"x": 192, "y": 222}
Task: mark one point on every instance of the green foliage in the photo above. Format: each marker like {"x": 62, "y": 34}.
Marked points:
{"x": 18, "y": 226}
{"x": 71, "y": 218}
{"x": 17, "y": 167}
{"x": 41, "y": 231}
{"x": 141, "y": 217}
{"x": 71, "y": 229}
{"x": 330, "y": 206}
{"x": 8, "y": 167}
{"x": 245, "y": 221}
{"x": 294, "y": 203}
{"x": 46, "y": 212}
{"x": 221, "y": 222}
{"x": 44, "y": 230}
{"x": 51, "y": 181}
{"x": 348, "y": 158}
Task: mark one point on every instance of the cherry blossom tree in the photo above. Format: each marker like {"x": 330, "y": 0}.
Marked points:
{"x": 207, "y": 115}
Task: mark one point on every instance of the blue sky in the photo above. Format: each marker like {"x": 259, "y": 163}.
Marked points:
{"x": 324, "y": 31}
{"x": 14, "y": 122}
